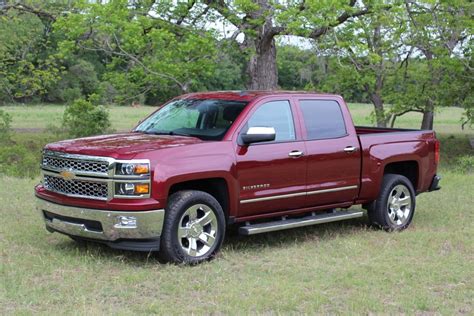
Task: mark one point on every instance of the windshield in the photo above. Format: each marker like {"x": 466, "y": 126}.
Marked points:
{"x": 206, "y": 119}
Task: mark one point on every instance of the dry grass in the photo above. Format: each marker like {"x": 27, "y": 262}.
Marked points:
{"x": 335, "y": 268}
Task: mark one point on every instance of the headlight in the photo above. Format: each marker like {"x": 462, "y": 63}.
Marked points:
{"x": 131, "y": 169}
{"x": 132, "y": 188}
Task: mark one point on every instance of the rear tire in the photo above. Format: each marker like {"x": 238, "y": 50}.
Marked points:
{"x": 194, "y": 228}
{"x": 394, "y": 208}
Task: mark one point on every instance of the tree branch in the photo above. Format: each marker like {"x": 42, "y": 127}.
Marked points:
{"x": 316, "y": 33}
{"x": 26, "y": 8}
{"x": 223, "y": 9}
{"x": 123, "y": 53}
{"x": 183, "y": 16}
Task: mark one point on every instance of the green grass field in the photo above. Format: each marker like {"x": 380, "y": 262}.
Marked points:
{"x": 338, "y": 268}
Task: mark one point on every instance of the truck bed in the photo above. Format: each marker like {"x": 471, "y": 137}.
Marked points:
{"x": 383, "y": 146}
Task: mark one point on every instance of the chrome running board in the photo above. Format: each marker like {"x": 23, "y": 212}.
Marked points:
{"x": 313, "y": 219}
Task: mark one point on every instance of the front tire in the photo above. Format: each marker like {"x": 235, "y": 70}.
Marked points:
{"x": 394, "y": 208}
{"x": 194, "y": 228}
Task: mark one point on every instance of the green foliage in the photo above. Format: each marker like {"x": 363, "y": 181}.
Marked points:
{"x": 78, "y": 81}
{"x": 147, "y": 52}
{"x": 142, "y": 55}
{"x": 465, "y": 164}
{"x": 5, "y": 125}
{"x": 296, "y": 67}
{"x": 82, "y": 118}
{"x": 22, "y": 155}
{"x": 27, "y": 69}
{"x": 18, "y": 161}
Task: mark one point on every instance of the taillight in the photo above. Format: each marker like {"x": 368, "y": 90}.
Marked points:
{"x": 436, "y": 151}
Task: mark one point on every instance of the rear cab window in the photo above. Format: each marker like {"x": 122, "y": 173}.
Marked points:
{"x": 323, "y": 119}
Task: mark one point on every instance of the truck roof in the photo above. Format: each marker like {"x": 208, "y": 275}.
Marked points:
{"x": 246, "y": 95}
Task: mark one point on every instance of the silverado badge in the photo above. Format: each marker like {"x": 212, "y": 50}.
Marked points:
{"x": 67, "y": 175}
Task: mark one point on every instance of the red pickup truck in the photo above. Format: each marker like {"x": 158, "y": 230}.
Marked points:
{"x": 262, "y": 160}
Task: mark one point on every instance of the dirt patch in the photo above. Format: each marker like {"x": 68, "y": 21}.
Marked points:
{"x": 29, "y": 129}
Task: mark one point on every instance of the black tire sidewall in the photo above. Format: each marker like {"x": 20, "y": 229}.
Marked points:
{"x": 178, "y": 203}
{"x": 380, "y": 213}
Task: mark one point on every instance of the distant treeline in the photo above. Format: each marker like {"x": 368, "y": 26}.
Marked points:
{"x": 412, "y": 55}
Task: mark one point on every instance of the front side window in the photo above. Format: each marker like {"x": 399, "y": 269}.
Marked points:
{"x": 276, "y": 114}
{"x": 323, "y": 119}
{"x": 207, "y": 119}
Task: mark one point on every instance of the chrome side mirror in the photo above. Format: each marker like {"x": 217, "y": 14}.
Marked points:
{"x": 257, "y": 134}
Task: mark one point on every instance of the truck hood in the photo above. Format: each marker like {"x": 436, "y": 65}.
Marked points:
{"x": 123, "y": 146}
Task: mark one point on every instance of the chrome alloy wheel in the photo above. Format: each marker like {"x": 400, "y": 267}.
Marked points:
{"x": 197, "y": 230}
{"x": 399, "y": 205}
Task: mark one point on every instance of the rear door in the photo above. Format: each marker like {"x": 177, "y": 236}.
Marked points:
{"x": 271, "y": 175}
{"x": 332, "y": 151}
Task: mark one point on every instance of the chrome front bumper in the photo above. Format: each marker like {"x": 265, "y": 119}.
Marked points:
{"x": 101, "y": 225}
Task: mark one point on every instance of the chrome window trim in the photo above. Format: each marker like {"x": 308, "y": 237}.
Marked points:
{"x": 283, "y": 196}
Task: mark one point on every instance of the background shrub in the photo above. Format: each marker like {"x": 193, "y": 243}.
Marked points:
{"x": 78, "y": 81}
{"x": 465, "y": 164}
{"x": 19, "y": 161}
{"x": 5, "y": 122}
{"x": 82, "y": 118}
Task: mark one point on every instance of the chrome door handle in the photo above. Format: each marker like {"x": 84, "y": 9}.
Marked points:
{"x": 295, "y": 153}
{"x": 349, "y": 149}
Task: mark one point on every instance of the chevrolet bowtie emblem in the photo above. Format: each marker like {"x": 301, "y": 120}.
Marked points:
{"x": 67, "y": 175}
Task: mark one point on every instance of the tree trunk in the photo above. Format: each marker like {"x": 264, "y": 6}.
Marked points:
{"x": 428, "y": 111}
{"x": 428, "y": 116}
{"x": 262, "y": 67}
{"x": 379, "y": 111}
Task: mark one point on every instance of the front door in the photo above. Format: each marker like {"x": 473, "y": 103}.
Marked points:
{"x": 271, "y": 175}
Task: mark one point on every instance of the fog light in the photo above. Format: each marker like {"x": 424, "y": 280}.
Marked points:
{"x": 126, "y": 222}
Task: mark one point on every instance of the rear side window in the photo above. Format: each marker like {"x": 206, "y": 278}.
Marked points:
{"x": 323, "y": 119}
{"x": 276, "y": 114}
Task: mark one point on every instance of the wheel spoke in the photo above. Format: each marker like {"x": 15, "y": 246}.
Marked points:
{"x": 392, "y": 215}
{"x": 404, "y": 200}
{"x": 207, "y": 239}
{"x": 182, "y": 232}
{"x": 207, "y": 218}
{"x": 192, "y": 212}
{"x": 192, "y": 250}
{"x": 398, "y": 193}
{"x": 400, "y": 214}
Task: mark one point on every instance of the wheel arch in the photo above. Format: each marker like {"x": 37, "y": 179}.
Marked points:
{"x": 407, "y": 168}
{"x": 216, "y": 187}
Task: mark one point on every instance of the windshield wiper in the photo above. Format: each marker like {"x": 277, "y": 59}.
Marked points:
{"x": 163, "y": 133}
{"x": 180, "y": 134}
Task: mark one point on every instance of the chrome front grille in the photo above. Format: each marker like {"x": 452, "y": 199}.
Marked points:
{"x": 57, "y": 161}
{"x": 90, "y": 177}
{"x": 76, "y": 188}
